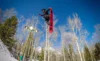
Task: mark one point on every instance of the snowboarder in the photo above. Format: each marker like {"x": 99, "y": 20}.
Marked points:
{"x": 46, "y": 15}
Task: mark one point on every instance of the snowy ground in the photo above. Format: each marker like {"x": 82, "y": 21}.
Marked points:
{"x": 5, "y": 54}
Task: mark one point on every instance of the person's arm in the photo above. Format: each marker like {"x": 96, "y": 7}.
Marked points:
{"x": 41, "y": 14}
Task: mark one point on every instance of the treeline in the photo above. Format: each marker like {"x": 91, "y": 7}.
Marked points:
{"x": 8, "y": 30}
{"x": 70, "y": 54}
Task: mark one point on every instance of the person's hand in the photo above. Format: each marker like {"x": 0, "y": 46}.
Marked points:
{"x": 40, "y": 14}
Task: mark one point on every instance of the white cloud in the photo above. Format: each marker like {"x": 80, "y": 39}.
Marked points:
{"x": 9, "y": 13}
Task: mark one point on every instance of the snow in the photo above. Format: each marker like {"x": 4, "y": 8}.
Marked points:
{"x": 34, "y": 60}
{"x": 51, "y": 49}
{"x": 5, "y": 54}
{"x": 38, "y": 49}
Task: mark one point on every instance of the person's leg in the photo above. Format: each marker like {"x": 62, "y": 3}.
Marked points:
{"x": 47, "y": 18}
{"x": 47, "y": 21}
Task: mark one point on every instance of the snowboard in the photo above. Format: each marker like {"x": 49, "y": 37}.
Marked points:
{"x": 51, "y": 21}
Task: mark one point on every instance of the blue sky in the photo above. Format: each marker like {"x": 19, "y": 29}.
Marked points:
{"x": 87, "y": 10}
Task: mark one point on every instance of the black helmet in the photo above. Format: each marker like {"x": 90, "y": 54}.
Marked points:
{"x": 43, "y": 9}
